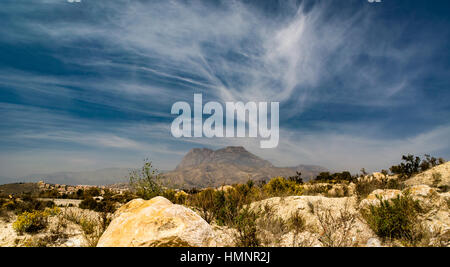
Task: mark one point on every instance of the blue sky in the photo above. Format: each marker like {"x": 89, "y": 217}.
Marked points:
{"x": 90, "y": 85}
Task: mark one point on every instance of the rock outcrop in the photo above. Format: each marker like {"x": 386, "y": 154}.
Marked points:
{"x": 156, "y": 222}
{"x": 438, "y": 176}
{"x": 320, "y": 214}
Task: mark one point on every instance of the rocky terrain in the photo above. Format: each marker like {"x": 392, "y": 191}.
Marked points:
{"x": 438, "y": 176}
{"x": 207, "y": 168}
{"x": 328, "y": 222}
{"x": 325, "y": 221}
{"x": 365, "y": 212}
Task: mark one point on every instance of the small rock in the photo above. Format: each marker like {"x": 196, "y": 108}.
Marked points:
{"x": 373, "y": 242}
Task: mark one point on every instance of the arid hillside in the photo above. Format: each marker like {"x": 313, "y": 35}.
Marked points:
{"x": 202, "y": 168}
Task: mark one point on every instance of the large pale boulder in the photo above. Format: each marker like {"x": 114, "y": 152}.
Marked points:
{"x": 156, "y": 222}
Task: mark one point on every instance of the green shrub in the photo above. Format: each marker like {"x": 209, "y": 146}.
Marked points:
{"x": 31, "y": 222}
{"x": 146, "y": 182}
{"x": 280, "y": 186}
{"x": 412, "y": 165}
{"x": 246, "y": 226}
{"x": 297, "y": 178}
{"x": 105, "y": 205}
{"x": 88, "y": 203}
{"x": 204, "y": 201}
{"x": 223, "y": 206}
{"x": 395, "y": 218}
{"x": 315, "y": 189}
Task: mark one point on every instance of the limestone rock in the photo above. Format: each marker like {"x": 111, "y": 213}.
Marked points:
{"x": 156, "y": 222}
{"x": 372, "y": 198}
{"x": 429, "y": 177}
{"x": 310, "y": 208}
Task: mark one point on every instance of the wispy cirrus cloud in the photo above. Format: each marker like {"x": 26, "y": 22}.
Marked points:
{"x": 104, "y": 74}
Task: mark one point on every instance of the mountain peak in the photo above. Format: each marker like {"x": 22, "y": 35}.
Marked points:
{"x": 235, "y": 149}
{"x": 236, "y": 155}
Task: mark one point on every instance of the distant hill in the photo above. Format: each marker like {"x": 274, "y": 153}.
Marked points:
{"x": 208, "y": 168}
{"x": 8, "y": 180}
{"x": 229, "y": 155}
{"x": 18, "y": 188}
{"x": 98, "y": 177}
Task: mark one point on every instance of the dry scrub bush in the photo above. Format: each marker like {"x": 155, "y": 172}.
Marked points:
{"x": 271, "y": 227}
{"x": 92, "y": 225}
{"x": 223, "y": 206}
{"x": 336, "y": 228}
{"x": 280, "y": 186}
{"x": 247, "y": 231}
{"x": 297, "y": 224}
{"x": 261, "y": 226}
{"x": 317, "y": 189}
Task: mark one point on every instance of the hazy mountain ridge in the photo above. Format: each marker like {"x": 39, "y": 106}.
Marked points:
{"x": 209, "y": 168}
{"x": 98, "y": 177}
{"x": 229, "y": 155}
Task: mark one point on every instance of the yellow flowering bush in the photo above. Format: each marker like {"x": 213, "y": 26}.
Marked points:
{"x": 31, "y": 222}
{"x": 279, "y": 186}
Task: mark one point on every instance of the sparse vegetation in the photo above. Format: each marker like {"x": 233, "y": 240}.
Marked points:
{"x": 412, "y": 165}
{"x": 339, "y": 177}
{"x": 365, "y": 187}
{"x": 336, "y": 227}
{"x": 247, "y": 231}
{"x": 91, "y": 225}
{"x": 397, "y": 221}
{"x": 297, "y": 224}
{"x": 395, "y": 218}
{"x": 437, "y": 179}
{"x": 31, "y": 222}
{"x": 146, "y": 182}
{"x": 280, "y": 186}
{"x": 271, "y": 226}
